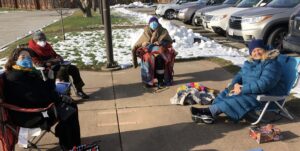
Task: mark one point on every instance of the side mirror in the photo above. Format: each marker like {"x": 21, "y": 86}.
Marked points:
{"x": 263, "y": 4}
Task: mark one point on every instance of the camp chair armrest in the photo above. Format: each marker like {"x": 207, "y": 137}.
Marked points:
{"x": 265, "y": 98}
{"x": 25, "y": 110}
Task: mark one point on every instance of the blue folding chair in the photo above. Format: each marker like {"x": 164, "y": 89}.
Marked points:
{"x": 290, "y": 71}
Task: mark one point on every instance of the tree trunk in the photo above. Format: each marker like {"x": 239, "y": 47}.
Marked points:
{"x": 85, "y": 6}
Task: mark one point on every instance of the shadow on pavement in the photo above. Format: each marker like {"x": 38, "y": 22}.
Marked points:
{"x": 136, "y": 89}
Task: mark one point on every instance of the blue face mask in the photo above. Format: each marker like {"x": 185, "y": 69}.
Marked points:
{"x": 25, "y": 63}
{"x": 153, "y": 25}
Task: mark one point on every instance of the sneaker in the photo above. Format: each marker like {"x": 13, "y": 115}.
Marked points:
{"x": 201, "y": 115}
{"x": 82, "y": 95}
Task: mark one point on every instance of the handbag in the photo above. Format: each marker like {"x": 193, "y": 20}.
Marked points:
{"x": 65, "y": 110}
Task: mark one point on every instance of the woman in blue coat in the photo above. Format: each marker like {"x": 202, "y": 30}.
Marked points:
{"x": 261, "y": 74}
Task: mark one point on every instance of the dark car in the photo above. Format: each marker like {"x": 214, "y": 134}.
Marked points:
{"x": 292, "y": 41}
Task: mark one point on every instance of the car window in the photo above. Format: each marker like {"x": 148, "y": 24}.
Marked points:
{"x": 230, "y": 1}
{"x": 248, "y": 3}
{"x": 283, "y": 3}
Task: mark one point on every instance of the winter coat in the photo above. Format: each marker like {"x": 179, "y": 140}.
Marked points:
{"x": 42, "y": 54}
{"x": 159, "y": 35}
{"x": 257, "y": 77}
{"x": 26, "y": 89}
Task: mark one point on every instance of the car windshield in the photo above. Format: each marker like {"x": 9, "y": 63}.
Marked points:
{"x": 247, "y": 3}
{"x": 283, "y": 3}
{"x": 230, "y": 1}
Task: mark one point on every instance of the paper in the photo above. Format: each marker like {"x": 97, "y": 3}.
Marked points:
{"x": 25, "y": 134}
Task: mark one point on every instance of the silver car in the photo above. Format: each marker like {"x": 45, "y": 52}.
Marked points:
{"x": 269, "y": 23}
{"x": 186, "y": 15}
{"x": 198, "y": 17}
{"x": 169, "y": 11}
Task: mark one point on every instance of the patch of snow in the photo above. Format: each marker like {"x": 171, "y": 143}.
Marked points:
{"x": 131, "y": 5}
{"x": 3, "y": 12}
{"x": 3, "y": 49}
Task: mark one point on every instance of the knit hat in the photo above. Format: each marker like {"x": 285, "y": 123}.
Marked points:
{"x": 256, "y": 43}
{"x": 152, "y": 19}
{"x": 39, "y": 36}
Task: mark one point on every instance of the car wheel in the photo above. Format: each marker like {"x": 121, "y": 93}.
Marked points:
{"x": 194, "y": 23}
{"x": 170, "y": 14}
{"x": 275, "y": 40}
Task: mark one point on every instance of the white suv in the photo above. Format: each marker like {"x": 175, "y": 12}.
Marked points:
{"x": 169, "y": 11}
{"x": 217, "y": 21}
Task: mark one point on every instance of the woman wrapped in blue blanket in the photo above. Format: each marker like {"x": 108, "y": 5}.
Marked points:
{"x": 260, "y": 74}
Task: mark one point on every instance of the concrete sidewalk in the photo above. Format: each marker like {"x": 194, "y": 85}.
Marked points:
{"x": 126, "y": 117}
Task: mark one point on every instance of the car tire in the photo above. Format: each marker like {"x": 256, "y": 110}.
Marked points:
{"x": 275, "y": 39}
{"x": 169, "y": 14}
{"x": 194, "y": 23}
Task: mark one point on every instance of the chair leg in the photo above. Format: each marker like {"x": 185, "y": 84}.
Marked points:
{"x": 285, "y": 111}
{"x": 261, "y": 114}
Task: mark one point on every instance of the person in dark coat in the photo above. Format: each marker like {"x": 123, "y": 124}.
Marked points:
{"x": 25, "y": 88}
{"x": 261, "y": 74}
{"x": 45, "y": 56}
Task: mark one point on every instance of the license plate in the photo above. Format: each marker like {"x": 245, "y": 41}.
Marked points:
{"x": 230, "y": 32}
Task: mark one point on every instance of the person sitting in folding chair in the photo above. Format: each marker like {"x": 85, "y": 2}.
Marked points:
{"x": 24, "y": 88}
{"x": 47, "y": 57}
{"x": 261, "y": 74}
{"x": 155, "y": 63}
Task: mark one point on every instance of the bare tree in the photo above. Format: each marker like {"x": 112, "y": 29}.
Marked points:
{"x": 58, "y": 5}
{"x": 85, "y": 6}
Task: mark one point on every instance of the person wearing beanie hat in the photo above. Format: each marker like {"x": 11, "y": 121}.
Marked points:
{"x": 261, "y": 74}
{"x": 256, "y": 43}
{"x": 154, "y": 34}
{"x": 47, "y": 57}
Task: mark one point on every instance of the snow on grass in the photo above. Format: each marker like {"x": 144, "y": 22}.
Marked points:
{"x": 131, "y": 5}
{"x": 88, "y": 47}
{"x": 184, "y": 41}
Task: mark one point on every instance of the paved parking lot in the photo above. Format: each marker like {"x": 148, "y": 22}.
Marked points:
{"x": 16, "y": 24}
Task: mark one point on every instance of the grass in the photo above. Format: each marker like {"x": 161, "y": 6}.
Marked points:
{"x": 76, "y": 22}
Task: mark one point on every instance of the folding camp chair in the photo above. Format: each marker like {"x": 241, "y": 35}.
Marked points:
{"x": 7, "y": 126}
{"x": 290, "y": 71}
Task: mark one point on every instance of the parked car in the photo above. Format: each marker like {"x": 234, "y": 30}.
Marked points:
{"x": 186, "y": 15}
{"x": 269, "y": 23}
{"x": 292, "y": 41}
{"x": 217, "y": 21}
{"x": 199, "y": 14}
{"x": 169, "y": 10}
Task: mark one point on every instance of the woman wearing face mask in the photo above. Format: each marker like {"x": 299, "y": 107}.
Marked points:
{"x": 261, "y": 74}
{"x": 24, "y": 87}
{"x": 155, "y": 34}
{"x": 47, "y": 57}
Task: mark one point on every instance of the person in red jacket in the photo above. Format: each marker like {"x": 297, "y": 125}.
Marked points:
{"x": 47, "y": 57}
